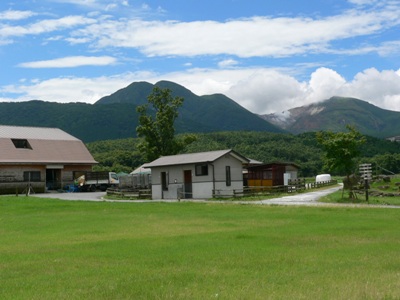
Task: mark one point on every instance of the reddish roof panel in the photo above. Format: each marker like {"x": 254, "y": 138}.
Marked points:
{"x": 47, "y": 145}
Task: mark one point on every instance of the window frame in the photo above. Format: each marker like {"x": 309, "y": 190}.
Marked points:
{"x": 21, "y": 144}
{"x": 32, "y": 176}
{"x": 201, "y": 169}
{"x": 228, "y": 176}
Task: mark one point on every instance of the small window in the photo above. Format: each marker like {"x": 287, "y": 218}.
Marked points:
{"x": 201, "y": 169}
{"x": 32, "y": 176}
{"x": 21, "y": 143}
{"x": 228, "y": 175}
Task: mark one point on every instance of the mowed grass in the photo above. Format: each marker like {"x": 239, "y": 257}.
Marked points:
{"x": 53, "y": 249}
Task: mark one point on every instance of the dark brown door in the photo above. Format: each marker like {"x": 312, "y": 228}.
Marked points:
{"x": 187, "y": 184}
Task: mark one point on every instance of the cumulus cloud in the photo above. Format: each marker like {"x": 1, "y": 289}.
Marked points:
{"x": 264, "y": 91}
{"x": 259, "y": 90}
{"x": 71, "y": 62}
{"x": 323, "y": 84}
{"x": 267, "y": 90}
{"x": 381, "y": 88}
{"x": 71, "y": 89}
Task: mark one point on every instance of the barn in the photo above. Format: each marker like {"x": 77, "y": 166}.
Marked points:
{"x": 37, "y": 159}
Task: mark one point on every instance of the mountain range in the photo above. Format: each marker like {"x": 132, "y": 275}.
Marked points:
{"x": 334, "y": 114}
{"x": 115, "y": 116}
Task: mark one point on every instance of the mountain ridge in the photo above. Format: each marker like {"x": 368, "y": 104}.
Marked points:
{"x": 335, "y": 113}
{"x": 115, "y": 116}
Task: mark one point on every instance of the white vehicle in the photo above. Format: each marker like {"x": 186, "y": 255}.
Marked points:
{"x": 323, "y": 178}
{"x": 91, "y": 181}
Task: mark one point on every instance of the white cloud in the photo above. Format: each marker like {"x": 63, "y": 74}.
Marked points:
{"x": 267, "y": 91}
{"x": 227, "y": 63}
{"x": 14, "y": 15}
{"x": 381, "y": 88}
{"x": 363, "y": 2}
{"x": 256, "y": 36}
{"x": 89, "y": 3}
{"x": 324, "y": 83}
{"x": 44, "y": 26}
{"x": 259, "y": 90}
{"x": 71, "y": 62}
{"x": 273, "y": 90}
{"x": 72, "y": 89}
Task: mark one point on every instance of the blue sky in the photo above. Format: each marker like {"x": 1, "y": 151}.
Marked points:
{"x": 268, "y": 56}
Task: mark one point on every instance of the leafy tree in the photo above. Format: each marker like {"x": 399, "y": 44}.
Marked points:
{"x": 157, "y": 129}
{"x": 341, "y": 149}
{"x": 302, "y": 149}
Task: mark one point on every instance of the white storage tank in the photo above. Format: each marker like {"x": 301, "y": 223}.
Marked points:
{"x": 323, "y": 177}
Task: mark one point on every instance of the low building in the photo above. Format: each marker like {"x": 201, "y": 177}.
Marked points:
{"x": 271, "y": 174}
{"x": 37, "y": 159}
{"x": 197, "y": 175}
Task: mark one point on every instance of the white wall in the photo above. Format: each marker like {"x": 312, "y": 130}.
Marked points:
{"x": 202, "y": 186}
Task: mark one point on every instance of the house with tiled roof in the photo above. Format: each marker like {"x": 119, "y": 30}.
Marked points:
{"x": 197, "y": 175}
{"x": 39, "y": 158}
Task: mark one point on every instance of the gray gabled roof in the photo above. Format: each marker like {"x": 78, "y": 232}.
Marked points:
{"x": 38, "y": 133}
{"x": 193, "y": 158}
{"x": 44, "y": 146}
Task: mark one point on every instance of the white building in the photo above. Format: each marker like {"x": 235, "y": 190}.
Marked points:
{"x": 197, "y": 175}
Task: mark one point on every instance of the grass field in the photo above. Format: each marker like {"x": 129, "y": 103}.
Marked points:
{"x": 386, "y": 188}
{"x": 52, "y": 249}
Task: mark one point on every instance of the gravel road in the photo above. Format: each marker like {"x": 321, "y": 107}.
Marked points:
{"x": 310, "y": 198}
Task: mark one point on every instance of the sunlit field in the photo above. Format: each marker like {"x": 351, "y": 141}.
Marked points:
{"x": 53, "y": 249}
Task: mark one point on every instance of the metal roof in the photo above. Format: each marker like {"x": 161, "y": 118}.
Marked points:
{"x": 39, "y": 133}
{"x": 191, "y": 158}
{"x": 141, "y": 170}
{"x": 45, "y": 146}
{"x": 275, "y": 163}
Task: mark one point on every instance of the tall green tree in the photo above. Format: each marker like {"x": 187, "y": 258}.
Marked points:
{"x": 341, "y": 150}
{"x": 156, "y": 125}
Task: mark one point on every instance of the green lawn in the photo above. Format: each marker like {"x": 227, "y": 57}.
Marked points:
{"x": 389, "y": 194}
{"x": 52, "y": 249}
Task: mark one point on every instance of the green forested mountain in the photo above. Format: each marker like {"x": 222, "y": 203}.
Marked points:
{"x": 337, "y": 112}
{"x": 199, "y": 113}
{"x": 84, "y": 121}
{"x": 115, "y": 117}
{"x": 303, "y": 149}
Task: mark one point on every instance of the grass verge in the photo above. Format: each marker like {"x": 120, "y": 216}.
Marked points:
{"x": 52, "y": 249}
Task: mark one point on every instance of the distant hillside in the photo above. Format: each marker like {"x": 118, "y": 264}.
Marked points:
{"x": 115, "y": 117}
{"x": 199, "y": 113}
{"x": 335, "y": 113}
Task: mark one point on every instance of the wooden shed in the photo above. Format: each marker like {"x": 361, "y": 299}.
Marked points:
{"x": 271, "y": 174}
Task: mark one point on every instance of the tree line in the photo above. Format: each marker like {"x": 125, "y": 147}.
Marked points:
{"x": 314, "y": 152}
{"x": 123, "y": 155}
